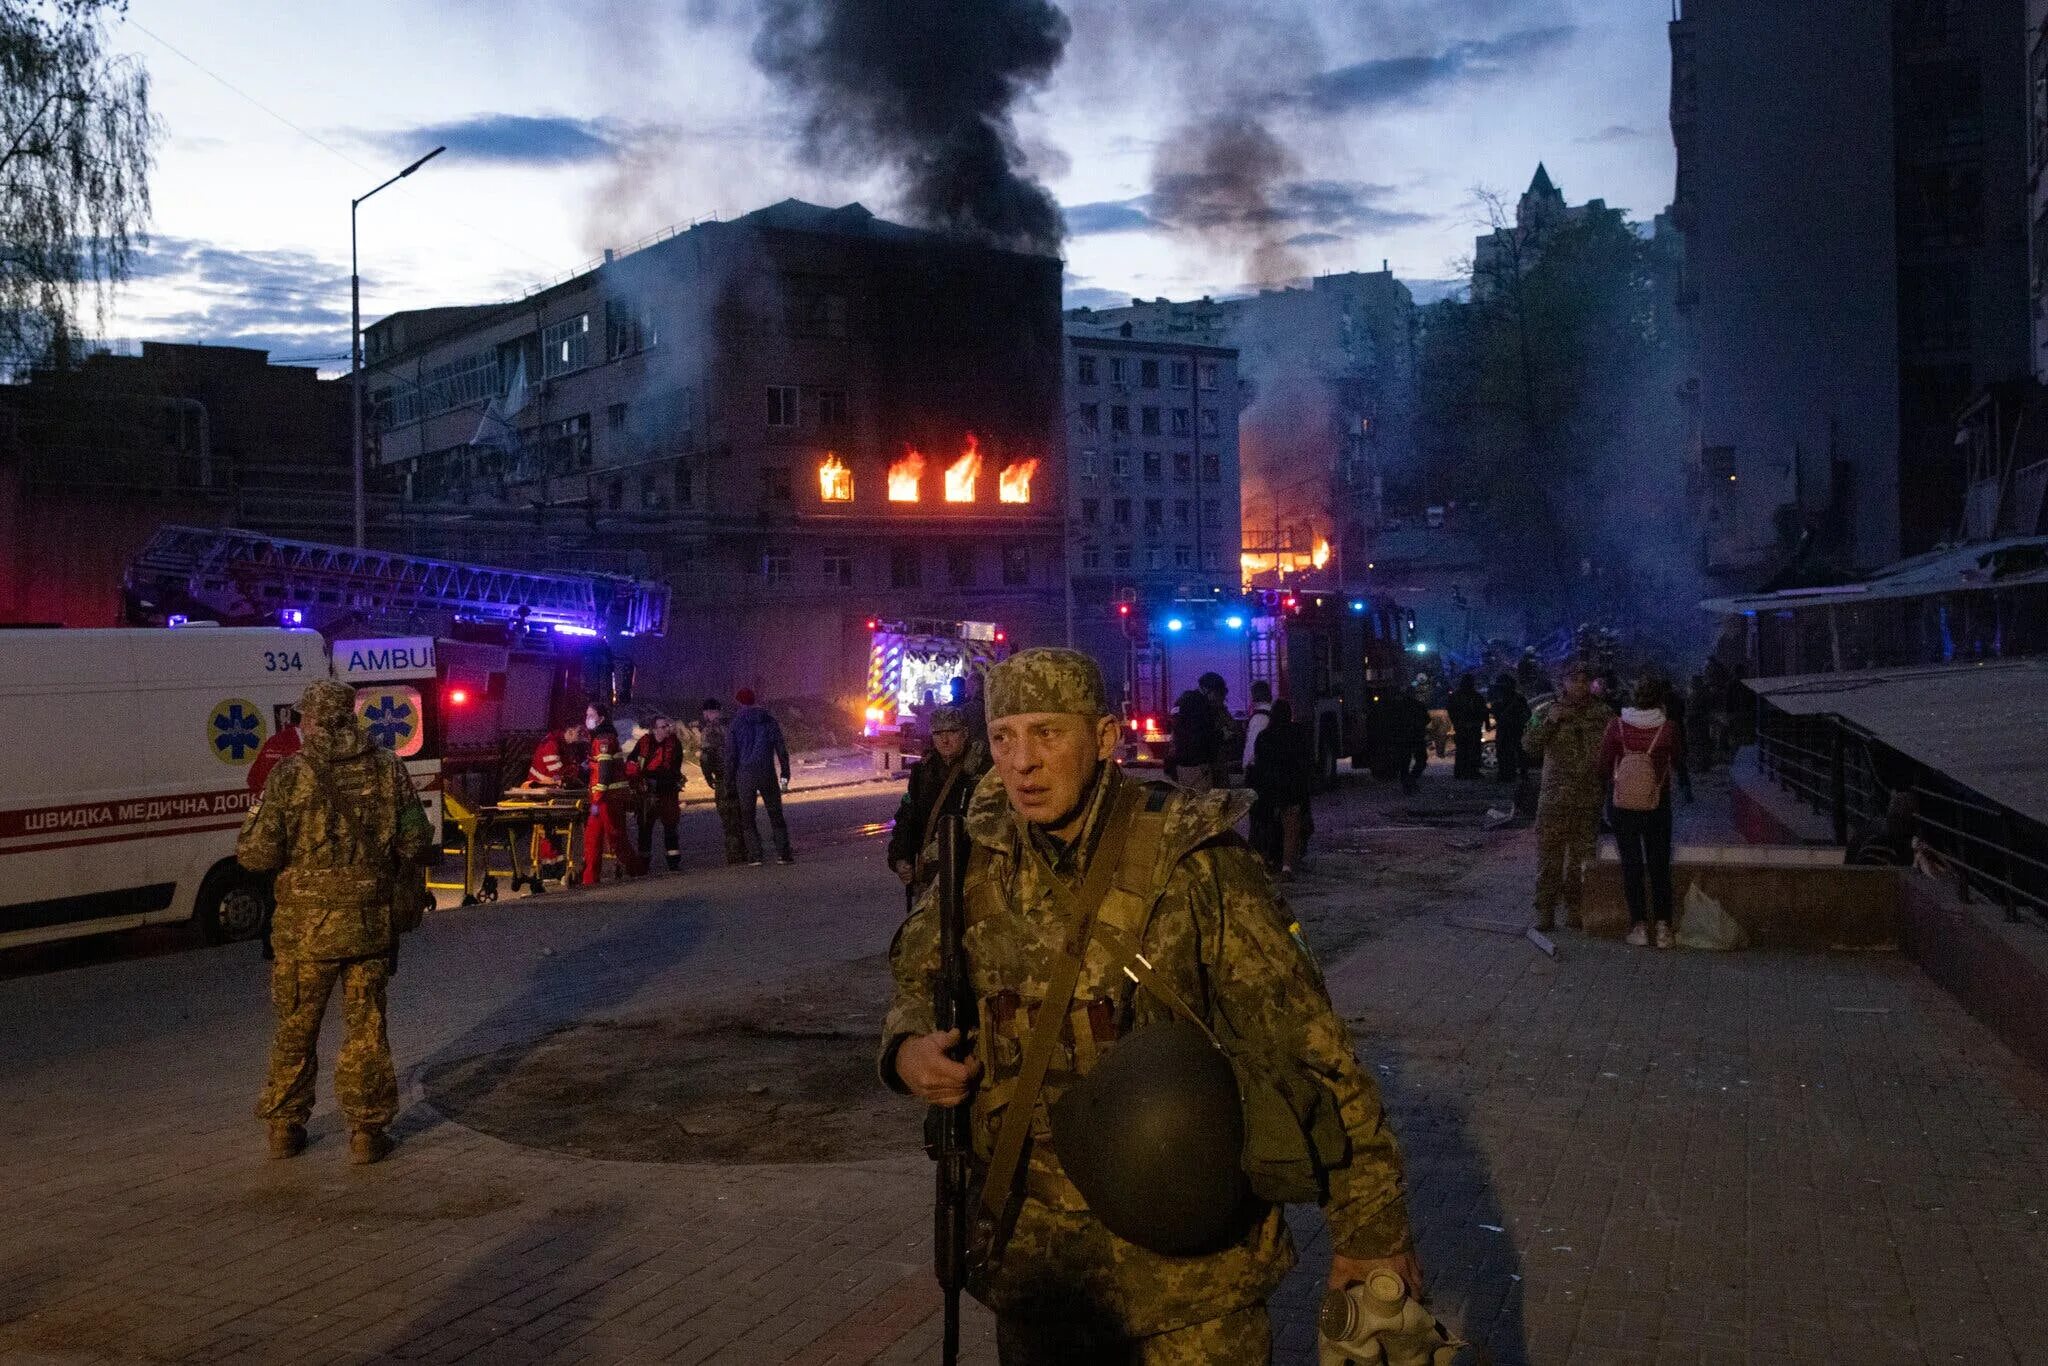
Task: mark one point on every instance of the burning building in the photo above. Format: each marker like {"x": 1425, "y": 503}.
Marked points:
{"x": 802, "y": 420}
{"x": 1329, "y": 375}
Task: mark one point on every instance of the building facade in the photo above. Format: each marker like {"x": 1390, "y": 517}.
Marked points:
{"x": 94, "y": 457}
{"x": 802, "y": 420}
{"x": 1153, "y": 481}
{"x": 1328, "y": 382}
{"x": 1512, "y": 248}
{"x": 1841, "y": 328}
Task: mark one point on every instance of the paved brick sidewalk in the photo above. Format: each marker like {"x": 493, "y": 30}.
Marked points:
{"x": 1687, "y": 1157}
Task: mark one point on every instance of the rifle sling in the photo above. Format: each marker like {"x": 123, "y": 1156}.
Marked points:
{"x": 1080, "y": 907}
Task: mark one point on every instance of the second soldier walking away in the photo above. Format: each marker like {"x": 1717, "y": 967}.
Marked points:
{"x": 755, "y": 748}
{"x": 657, "y": 762}
{"x": 1201, "y": 727}
{"x": 1282, "y": 776}
{"x": 341, "y": 827}
{"x": 1079, "y": 871}
{"x": 940, "y": 784}
{"x": 1566, "y": 740}
{"x": 1510, "y": 723}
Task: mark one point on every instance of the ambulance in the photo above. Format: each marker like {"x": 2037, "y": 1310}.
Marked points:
{"x": 125, "y": 777}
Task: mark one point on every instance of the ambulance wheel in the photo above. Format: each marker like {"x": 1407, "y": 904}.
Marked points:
{"x": 231, "y": 906}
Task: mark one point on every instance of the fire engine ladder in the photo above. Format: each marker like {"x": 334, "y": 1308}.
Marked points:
{"x": 213, "y": 565}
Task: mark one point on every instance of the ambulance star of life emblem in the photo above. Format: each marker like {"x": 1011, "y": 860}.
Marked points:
{"x": 237, "y": 730}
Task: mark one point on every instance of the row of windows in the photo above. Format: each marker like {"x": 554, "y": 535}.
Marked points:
{"x": 1153, "y": 463}
{"x": 1147, "y": 371}
{"x": 1123, "y": 557}
{"x": 1088, "y": 417}
{"x": 786, "y": 407}
{"x": 1155, "y": 512}
{"x": 480, "y": 376}
{"x": 835, "y": 567}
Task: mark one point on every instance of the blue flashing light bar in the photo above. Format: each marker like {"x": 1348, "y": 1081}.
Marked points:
{"x": 1358, "y": 604}
{"x": 1234, "y": 622}
{"x": 1174, "y": 624}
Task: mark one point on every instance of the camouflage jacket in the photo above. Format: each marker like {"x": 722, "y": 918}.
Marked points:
{"x": 1218, "y": 936}
{"x": 334, "y": 893}
{"x": 1566, "y": 736}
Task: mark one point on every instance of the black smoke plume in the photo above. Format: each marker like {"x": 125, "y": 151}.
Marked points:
{"x": 1222, "y": 180}
{"x": 927, "y": 87}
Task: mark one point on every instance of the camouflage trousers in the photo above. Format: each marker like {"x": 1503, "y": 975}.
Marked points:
{"x": 365, "y": 1083}
{"x": 1566, "y": 837}
{"x": 1243, "y": 1337}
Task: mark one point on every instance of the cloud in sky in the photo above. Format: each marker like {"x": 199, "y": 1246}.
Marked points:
{"x": 1112, "y": 215}
{"x": 505, "y": 139}
{"x": 1386, "y": 81}
{"x": 1614, "y": 132}
{"x": 1325, "y": 209}
{"x": 291, "y": 303}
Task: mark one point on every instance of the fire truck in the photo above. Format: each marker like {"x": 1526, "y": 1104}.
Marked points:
{"x": 513, "y": 653}
{"x": 912, "y": 664}
{"x": 1331, "y": 654}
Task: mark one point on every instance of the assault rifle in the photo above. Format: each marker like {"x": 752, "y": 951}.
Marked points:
{"x": 947, "y": 1133}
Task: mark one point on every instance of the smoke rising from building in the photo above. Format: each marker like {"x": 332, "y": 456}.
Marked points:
{"x": 929, "y": 87}
{"x": 1221, "y": 180}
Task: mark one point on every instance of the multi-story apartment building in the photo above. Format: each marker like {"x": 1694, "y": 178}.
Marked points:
{"x": 1153, "y": 478}
{"x": 1329, "y": 376}
{"x": 803, "y": 420}
{"x": 1513, "y": 248}
{"x": 1851, "y": 186}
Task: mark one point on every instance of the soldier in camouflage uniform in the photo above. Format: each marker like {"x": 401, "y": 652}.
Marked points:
{"x": 1065, "y": 1289}
{"x": 340, "y": 825}
{"x": 1565, "y": 739}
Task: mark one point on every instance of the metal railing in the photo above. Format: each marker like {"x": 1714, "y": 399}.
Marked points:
{"x": 1850, "y": 777}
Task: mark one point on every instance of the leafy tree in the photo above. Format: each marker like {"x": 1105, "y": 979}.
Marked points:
{"x": 77, "y": 143}
{"x": 1549, "y": 406}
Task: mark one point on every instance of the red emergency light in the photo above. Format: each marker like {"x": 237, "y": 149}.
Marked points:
{"x": 1123, "y": 609}
{"x": 1000, "y": 637}
{"x": 874, "y": 624}
{"x": 458, "y": 697}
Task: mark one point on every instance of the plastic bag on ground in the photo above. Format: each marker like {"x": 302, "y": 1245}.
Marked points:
{"x": 1705, "y": 924}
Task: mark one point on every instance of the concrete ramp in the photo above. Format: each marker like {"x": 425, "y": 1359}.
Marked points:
{"x": 1783, "y": 896}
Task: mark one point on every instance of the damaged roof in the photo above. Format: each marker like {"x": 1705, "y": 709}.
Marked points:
{"x": 2007, "y": 563}
{"x": 1977, "y": 723}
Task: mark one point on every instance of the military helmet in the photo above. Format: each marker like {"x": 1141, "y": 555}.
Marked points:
{"x": 1153, "y": 1138}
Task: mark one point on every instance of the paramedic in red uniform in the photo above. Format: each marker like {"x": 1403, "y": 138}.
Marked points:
{"x": 611, "y": 794}
{"x": 657, "y": 763}
{"x": 281, "y": 745}
{"x": 554, "y": 764}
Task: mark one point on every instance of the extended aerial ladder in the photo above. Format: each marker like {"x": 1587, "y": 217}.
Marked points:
{"x": 237, "y": 576}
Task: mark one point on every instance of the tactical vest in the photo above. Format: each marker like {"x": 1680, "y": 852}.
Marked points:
{"x": 1103, "y": 1004}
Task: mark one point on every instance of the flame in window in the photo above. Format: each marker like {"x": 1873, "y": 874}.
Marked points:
{"x": 1321, "y": 555}
{"x": 1014, "y": 483}
{"x": 835, "y": 480}
{"x": 961, "y": 474}
{"x": 904, "y": 476}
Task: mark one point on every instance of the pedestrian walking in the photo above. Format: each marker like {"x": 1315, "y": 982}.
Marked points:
{"x": 1510, "y": 723}
{"x": 657, "y": 764}
{"x": 342, "y": 828}
{"x": 1261, "y": 717}
{"x": 714, "y": 761}
{"x": 1200, "y": 727}
{"x": 758, "y": 754}
{"x": 611, "y": 792}
{"x": 1467, "y": 711}
{"x": 1408, "y": 723}
{"x": 1566, "y": 738}
{"x": 1637, "y": 754}
{"x": 1282, "y": 777}
{"x": 940, "y": 784}
{"x": 1081, "y": 875}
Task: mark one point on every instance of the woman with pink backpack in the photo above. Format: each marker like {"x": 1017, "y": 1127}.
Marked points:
{"x": 1637, "y": 756}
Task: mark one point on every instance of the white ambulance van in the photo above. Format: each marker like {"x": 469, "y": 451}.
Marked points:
{"x": 124, "y": 778}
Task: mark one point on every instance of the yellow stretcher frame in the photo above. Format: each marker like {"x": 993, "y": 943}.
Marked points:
{"x": 558, "y": 812}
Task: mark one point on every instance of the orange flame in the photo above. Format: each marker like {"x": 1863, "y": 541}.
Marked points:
{"x": 1321, "y": 555}
{"x": 904, "y": 476}
{"x": 835, "y": 480}
{"x": 1014, "y": 483}
{"x": 961, "y": 474}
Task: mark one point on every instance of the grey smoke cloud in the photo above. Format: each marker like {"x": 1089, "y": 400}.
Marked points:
{"x": 1401, "y": 80}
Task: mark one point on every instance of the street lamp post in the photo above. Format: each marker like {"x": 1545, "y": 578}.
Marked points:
{"x": 355, "y": 342}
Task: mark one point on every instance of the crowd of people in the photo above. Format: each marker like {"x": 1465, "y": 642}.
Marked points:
{"x": 635, "y": 786}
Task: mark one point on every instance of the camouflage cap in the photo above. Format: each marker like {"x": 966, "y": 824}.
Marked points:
{"x": 328, "y": 705}
{"x": 1046, "y": 680}
{"x": 947, "y": 718}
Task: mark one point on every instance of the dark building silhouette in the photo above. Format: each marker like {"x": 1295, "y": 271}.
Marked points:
{"x": 1852, "y": 190}
{"x": 94, "y": 457}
